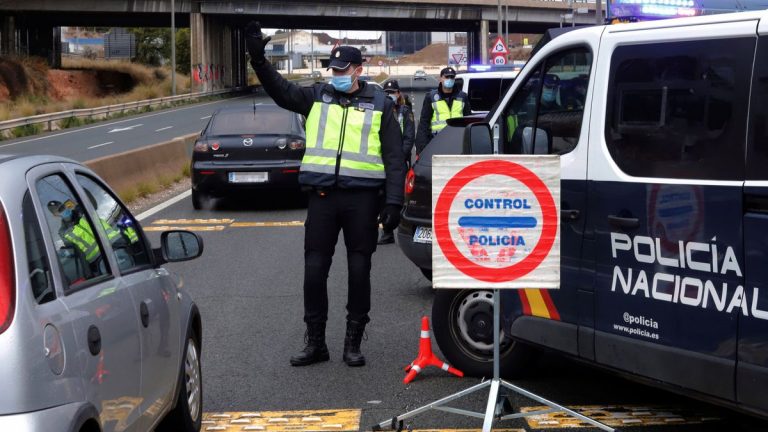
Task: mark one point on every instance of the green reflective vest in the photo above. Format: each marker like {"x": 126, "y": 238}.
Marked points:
{"x": 82, "y": 237}
{"x": 441, "y": 112}
{"x": 343, "y": 141}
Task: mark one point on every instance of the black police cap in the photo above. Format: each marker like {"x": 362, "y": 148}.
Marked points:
{"x": 449, "y": 71}
{"x": 391, "y": 86}
{"x": 344, "y": 56}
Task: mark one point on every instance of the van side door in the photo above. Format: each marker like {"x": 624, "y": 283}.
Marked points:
{"x": 666, "y": 175}
{"x": 552, "y": 99}
{"x": 752, "y": 370}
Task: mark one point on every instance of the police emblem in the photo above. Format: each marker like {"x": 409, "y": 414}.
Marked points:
{"x": 327, "y": 98}
{"x": 436, "y": 97}
{"x": 338, "y": 54}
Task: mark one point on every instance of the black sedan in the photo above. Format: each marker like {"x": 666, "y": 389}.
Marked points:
{"x": 247, "y": 148}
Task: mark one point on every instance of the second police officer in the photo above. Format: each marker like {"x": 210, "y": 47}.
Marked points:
{"x": 439, "y": 105}
{"x": 404, "y": 115}
{"x": 353, "y": 154}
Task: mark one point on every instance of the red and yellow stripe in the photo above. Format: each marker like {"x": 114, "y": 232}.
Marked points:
{"x": 538, "y": 302}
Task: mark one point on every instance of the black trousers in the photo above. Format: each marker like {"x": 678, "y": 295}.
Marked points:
{"x": 354, "y": 211}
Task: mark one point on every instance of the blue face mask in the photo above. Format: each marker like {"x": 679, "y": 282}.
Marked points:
{"x": 548, "y": 95}
{"x": 67, "y": 215}
{"x": 393, "y": 97}
{"x": 449, "y": 83}
{"x": 342, "y": 83}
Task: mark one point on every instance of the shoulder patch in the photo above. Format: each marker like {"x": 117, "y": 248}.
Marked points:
{"x": 436, "y": 97}
{"x": 327, "y": 98}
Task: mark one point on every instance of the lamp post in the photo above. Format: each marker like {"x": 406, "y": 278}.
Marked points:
{"x": 173, "y": 48}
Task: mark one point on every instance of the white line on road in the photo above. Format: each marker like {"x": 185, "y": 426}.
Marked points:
{"x": 118, "y": 122}
{"x": 163, "y": 206}
{"x": 162, "y": 129}
{"x": 127, "y": 128}
{"x": 206, "y": 117}
{"x": 100, "y": 145}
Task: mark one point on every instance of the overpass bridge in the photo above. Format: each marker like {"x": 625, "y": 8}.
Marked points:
{"x": 28, "y": 27}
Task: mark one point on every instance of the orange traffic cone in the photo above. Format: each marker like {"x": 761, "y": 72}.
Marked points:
{"x": 426, "y": 357}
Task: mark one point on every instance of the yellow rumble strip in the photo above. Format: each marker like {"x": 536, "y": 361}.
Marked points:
{"x": 192, "y": 221}
{"x": 188, "y": 228}
{"x": 285, "y": 421}
{"x": 616, "y": 416}
{"x": 214, "y": 224}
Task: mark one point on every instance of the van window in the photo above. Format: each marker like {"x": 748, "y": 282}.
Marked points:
{"x": 758, "y": 129}
{"x": 550, "y": 102}
{"x": 485, "y": 92}
{"x": 679, "y": 109}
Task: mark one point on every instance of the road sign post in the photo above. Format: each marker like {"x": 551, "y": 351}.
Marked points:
{"x": 496, "y": 223}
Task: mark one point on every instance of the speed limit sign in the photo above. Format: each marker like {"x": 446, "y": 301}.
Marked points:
{"x": 500, "y": 60}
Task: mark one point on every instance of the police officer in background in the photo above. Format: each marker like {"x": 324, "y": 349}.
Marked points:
{"x": 353, "y": 154}
{"x": 440, "y": 105}
{"x": 404, "y": 116}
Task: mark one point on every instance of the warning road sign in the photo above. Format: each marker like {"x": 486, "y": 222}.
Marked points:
{"x": 496, "y": 222}
{"x": 499, "y": 47}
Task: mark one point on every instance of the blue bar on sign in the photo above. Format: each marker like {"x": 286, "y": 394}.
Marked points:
{"x": 497, "y": 222}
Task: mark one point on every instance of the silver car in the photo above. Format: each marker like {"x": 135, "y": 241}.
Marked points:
{"x": 94, "y": 334}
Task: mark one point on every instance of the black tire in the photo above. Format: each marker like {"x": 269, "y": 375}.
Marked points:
{"x": 426, "y": 272}
{"x": 186, "y": 418}
{"x": 463, "y": 324}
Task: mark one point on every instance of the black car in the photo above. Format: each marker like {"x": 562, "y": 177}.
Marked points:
{"x": 256, "y": 147}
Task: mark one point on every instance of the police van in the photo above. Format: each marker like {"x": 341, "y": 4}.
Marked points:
{"x": 662, "y": 132}
{"x": 484, "y": 89}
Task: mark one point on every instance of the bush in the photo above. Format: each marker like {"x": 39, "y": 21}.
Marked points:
{"x": 27, "y": 130}
{"x": 145, "y": 189}
{"x": 71, "y": 122}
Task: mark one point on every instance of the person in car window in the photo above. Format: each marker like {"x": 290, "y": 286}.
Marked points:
{"x": 440, "y": 104}
{"x": 354, "y": 153}
{"x": 550, "y": 93}
{"x": 404, "y": 116}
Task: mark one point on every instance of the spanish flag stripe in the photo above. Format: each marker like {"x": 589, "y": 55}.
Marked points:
{"x": 538, "y": 306}
{"x": 553, "y": 313}
{"x": 524, "y": 301}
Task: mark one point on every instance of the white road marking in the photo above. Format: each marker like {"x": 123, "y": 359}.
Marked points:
{"x": 163, "y": 206}
{"x": 127, "y": 128}
{"x": 117, "y": 122}
{"x": 206, "y": 117}
{"x": 162, "y": 129}
{"x": 100, "y": 145}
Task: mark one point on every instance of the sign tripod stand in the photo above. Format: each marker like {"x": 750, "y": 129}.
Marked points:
{"x": 493, "y": 407}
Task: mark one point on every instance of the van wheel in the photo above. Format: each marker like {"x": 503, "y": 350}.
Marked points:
{"x": 188, "y": 414}
{"x": 463, "y": 325}
{"x": 426, "y": 272}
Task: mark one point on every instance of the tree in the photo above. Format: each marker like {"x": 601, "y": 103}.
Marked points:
{"x": 152, "y": 45}
{"x": 183, "y": 57}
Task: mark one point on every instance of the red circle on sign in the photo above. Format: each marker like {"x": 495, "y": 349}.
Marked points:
{"x": 530, "y": 180}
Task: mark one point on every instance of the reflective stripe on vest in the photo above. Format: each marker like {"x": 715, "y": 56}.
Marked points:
{"x": 81, "y": 236}
{"x": 112, "y": 233}
{"x": 358, "y": 143}
{"x": 401, "y": 120}
{"x": 441, "y": 112}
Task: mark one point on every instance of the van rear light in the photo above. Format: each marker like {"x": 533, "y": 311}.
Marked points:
{"x": 410, "y": 180}
{"x": 7, "y": 286}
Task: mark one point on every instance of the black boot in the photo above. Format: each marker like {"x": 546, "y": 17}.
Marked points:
{"x": 352, "y": 354}
{"x": 316, "y": 350}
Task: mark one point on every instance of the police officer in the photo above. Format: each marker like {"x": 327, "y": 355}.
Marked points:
{"x": 440, "y": 105}
{"x": 353, "y": 153}
{"x": 404, "y": 115}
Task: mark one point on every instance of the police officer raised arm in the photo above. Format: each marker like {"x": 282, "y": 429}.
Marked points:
{"x": 353, "y": 154}
{"x": 439, "y": 105}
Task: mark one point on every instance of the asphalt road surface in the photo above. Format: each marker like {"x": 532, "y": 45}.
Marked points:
{"x": 248, "y": 288}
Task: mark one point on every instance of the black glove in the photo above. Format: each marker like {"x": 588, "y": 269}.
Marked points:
{"x": 255, "y": 43}
{"x": 390, "y": 216}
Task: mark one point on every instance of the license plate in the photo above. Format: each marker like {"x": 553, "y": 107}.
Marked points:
{"x": 248, "y": 177}
{"x": 422, "y": 235}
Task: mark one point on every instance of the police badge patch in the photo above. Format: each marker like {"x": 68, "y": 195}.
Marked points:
{"x": 436, "y": 97}
{"x": 327, "y": 98}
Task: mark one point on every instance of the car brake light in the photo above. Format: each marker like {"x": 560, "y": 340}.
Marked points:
{"x": 410, "y": 179}
{"x": 201, "y": 146}
{"x": 297, "y": 145}
{"x": 7, "y": 286}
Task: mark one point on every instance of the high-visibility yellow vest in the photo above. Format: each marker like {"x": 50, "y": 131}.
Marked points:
{"x": 441, "y": 112}
{"x": 344, "y": 140}
{"x": 82, "y": 237}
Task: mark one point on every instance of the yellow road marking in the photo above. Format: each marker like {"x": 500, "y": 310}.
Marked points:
{"x": 192, "y": 221}
{"x": 277, "y": 421}
{"x": 616, "y": 416}
{"x": 267, "y": 224}
{"x": 188, "y": 228}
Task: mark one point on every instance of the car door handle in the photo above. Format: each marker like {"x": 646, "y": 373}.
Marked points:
{"x": 569, "y": 215}
{"x": 94, "y": 340}
{"x": 623, "y": 222}
{"x": 144, "y": 312}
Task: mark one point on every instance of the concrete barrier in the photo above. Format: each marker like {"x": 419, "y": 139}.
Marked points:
{"x": 124, "y": 172}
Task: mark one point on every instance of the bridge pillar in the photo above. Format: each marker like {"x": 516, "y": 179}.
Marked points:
{"x": 8, "y": 41}
{"x": 41, "y": 41}
{"x": 213, "y": 53}
{"x": 478, "y": 44}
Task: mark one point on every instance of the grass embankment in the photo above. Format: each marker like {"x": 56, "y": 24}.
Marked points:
{"x": 145, "y": 189}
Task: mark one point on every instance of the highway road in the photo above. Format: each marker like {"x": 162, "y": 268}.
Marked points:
{"x": 116, "y": 136}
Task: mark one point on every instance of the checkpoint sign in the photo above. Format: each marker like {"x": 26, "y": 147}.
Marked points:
{"x": 496, "y": 221}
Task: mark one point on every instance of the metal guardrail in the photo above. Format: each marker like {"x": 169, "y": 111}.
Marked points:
{"x": 106, "y": 110}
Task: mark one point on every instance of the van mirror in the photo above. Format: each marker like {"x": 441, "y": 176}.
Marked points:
{"x": 477, "y": 139}
{"x": 539, "y": 145}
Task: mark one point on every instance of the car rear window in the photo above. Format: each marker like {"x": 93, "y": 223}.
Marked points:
{"x": 248, "y": 123}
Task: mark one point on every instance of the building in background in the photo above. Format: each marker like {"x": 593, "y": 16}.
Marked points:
{"x": 401, "y": 43}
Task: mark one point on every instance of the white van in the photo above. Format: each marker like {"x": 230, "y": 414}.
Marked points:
{"x": 485, "y": 88}
{"x": 662, "y": 132}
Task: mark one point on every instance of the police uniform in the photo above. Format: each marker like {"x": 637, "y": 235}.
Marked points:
{"x": 353, "y": 155}
{"x": 438, "y": 107}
